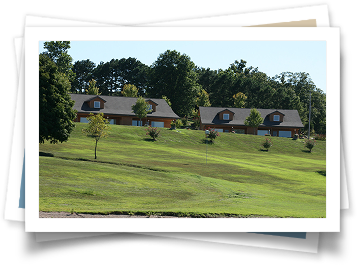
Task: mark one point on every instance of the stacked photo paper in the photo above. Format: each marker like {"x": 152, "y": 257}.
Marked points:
{"x": 305, "y": 28}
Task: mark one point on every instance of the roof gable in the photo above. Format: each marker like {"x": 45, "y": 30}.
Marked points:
{"x": 95, "y": 97}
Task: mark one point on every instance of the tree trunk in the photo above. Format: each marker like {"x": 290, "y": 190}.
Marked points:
{"x": 95, "y": 150}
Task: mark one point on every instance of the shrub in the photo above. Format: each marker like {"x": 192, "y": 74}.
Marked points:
{"x": 178, "y": 123}
{"x": 173, "y": 125}
{"x": 321, "y": 137}
{"x": 309, "y": 144}
{"x": 267, "y": 134}
{"x": 213, "y": 134}
{"x": 267, "y": 144}
{"x": 184, "y": 121}
{"x": 296, "y": 136}
{"x": 196, "y": 122}
{"x": 153, "y": 132}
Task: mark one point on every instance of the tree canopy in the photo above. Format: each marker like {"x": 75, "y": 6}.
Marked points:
{"x": 129, "y": 91}
{"x": 141, "y": 108}
{"x": 254, "y": 119}
{"x": 56, "y": 107}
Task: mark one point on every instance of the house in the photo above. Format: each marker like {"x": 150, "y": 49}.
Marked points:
{"x": 118, "y": 110}
{"x": 282, "y": 123}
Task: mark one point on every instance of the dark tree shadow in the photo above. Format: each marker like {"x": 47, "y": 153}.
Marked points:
{"x": 306, "y": 151}
{"x": 46, "y": 154}
{"x": 322, "y": 172}
{"x": 264, "y": 150}
{"x": 149, "y": 140}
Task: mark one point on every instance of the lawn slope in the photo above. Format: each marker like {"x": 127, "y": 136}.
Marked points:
{"x": 170, "y": 176}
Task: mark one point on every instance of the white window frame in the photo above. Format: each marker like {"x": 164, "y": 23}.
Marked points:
{"x": 225, "y": 116}
{"x": 95, "y": 103}
{"x": 276, "y": 116}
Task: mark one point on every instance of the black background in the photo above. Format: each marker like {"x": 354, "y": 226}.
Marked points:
{"x": 138, "y": 248}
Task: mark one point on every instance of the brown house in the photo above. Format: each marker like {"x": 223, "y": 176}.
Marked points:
{"x": 282, "y": 123}
{"x": 118, "y": 110}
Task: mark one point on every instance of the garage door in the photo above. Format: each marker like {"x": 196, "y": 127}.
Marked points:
{"x": 157, "y": 124}
{"x": 284, "y": 133}
{"x": 263, "y": 132}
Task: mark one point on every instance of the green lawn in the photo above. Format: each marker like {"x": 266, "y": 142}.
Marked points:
{"x": 170, "y": 176}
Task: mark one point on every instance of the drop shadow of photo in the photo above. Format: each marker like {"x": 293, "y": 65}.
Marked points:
{"x": 322, "y": 172}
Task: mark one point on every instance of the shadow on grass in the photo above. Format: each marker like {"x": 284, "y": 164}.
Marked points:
{"x": 264, "y": 150}
{"x": 149, "y": 140}
{"x": 46, "y": 154}
{"x": 322, "y": 172}
{"x": 306, "y": 151}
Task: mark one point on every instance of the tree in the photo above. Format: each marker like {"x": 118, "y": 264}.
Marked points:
{"x": 167, "y": 100}
{"x": 203, "y": 99}
{"x": 173, "y": 75}
{"x": 92, "y": 89}
{"x": 141, "y": 108}
{"x": 97, "y": 128}
{"x": 57, "y": 51}
{"x": 239, "y": 100}
{"x": 129, "y": 91}
{"x": 84, "y": 72}
{"x": 254, "y": 119}
{"x": 56, "y": 107}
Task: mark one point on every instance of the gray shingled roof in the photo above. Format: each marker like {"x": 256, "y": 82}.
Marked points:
{"x": 209, "y": 116}
{"x": 121, "y": 106}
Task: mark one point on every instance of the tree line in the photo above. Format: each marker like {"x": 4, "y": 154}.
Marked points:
{"x": 175, "y": 77}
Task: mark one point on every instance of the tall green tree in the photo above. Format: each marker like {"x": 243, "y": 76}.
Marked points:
{"x": 84, "y": 73}
{"x": 97, "y": 128}
{"x": 56, "y": 107}
{"x": 57, "y": 51}
{"x": 141, "y": 108}
{"x": 254, "y": 119}
{"x": 173, "y": 75}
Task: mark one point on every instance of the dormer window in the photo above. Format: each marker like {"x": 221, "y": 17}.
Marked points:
{"x": 151, "y": 107}
{"x": 225, "y": 116}
{"x": 97, "y": 104}
{"x": 276, "y": 117}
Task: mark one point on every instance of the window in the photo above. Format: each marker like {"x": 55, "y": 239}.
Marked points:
{"x": 285, "y": 134}
{"x": 111, "y": 121}
{"x": 136, "y": 123}
{"x": 149, "y": 108}
{"x": 263, "y": 132}
{"x": 225, "y": 116}
{"x": 218, "y": 130}
{"x": 276, "y": 118}
{"x": 97, "y": 104}
{"x": 84, "y": 120}
{"x": 157, "y": 124}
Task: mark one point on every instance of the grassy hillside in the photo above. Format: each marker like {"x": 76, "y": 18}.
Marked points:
{"x": 170, "y": 176}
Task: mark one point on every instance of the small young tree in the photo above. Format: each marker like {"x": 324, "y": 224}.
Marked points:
{"x": 97, "y": 128}
{"x": 153, "y": 132}
{"x": 212, "y": 135}
{"x": 267, "y": 144}
{"x": 309, "y": 144}
{"x": 141, "y": 108}
{"x": 254, "y": 119}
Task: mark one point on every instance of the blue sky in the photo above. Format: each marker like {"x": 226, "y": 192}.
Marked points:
{"x": 271, "y": 57}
